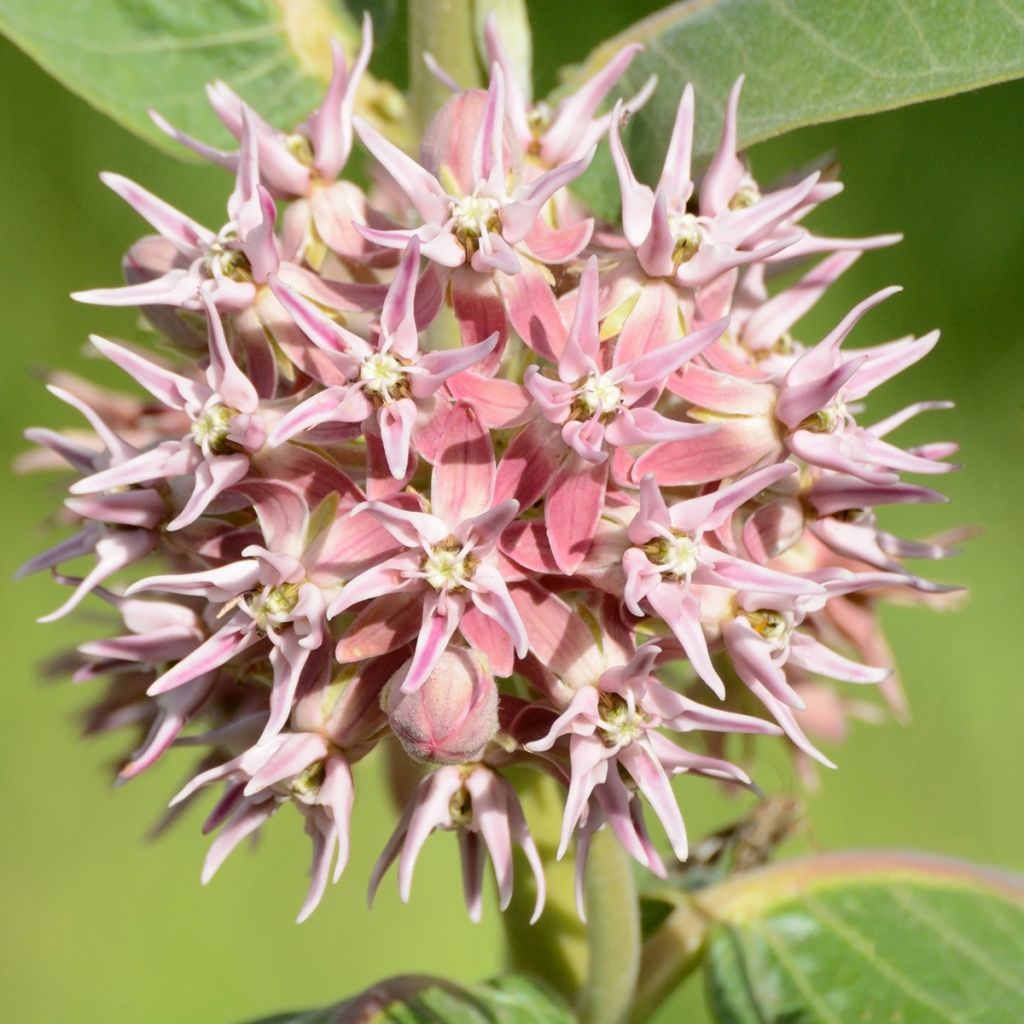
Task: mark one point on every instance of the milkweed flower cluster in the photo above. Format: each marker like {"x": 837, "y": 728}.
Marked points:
{"x": 452, "y": 462}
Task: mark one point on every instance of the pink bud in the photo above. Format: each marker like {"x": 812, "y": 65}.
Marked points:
{"x": 451, "y": 717}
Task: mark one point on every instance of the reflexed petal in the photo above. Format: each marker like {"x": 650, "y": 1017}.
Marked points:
{"x": 574, "y": 503}
{"x": 462, "y": 485}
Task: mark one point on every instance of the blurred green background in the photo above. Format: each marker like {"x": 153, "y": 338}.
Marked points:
{"x": 101, "y": 927}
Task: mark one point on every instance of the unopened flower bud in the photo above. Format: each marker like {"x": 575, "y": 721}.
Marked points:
{"x": 452, "y": 716}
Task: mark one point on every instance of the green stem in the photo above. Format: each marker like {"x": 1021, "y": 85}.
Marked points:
{"x": 445, "y": 29}
{"x": 613, "y": 934}
{"x": 554, "y": 949}
{"x": 670, "y": 954}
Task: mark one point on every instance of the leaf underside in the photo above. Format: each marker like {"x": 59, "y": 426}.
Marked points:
{"x": 418, "y": 1000}
{"x": 898, "y": 950}
{"x": 806, "y": 62}
{"x": 127, "y": 56}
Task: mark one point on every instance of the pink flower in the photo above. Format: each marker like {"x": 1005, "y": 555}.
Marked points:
{"x": 809, "y": 412}
{"x": 598, "y": 408}
{"x": 762, "y": 637}
{"x": 386, "y": 383}
{"x": 629, "y": 479}
{"x": 728, "y": 232}
{"x": 570, "y": 130}
{"x": 671, "y": 552}
{"x": 227, "y": 264}
{"x": 278, "y": 594}
{"x": 117, "y": 528}
{"x": 316, "y": 152}
{"x": 483, "y": 225}
{"x": 450, "y": 559}
{"x": 613, "y": 723}
{"x": 594, "y": 402}
{"x": 479, "y": 805}
{"x": 226, "y": 426}
{"x": 336, "y": 724}
{"x": 292, "y": 766}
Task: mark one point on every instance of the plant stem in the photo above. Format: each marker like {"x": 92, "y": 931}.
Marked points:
{"x": 445, "y": 29}
{"x": 669, "y": 955}
{"x": 555, "y": 949}
{"x": 613, "y": 933}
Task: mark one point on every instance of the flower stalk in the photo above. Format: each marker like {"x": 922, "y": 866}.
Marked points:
{"x": 445, "y": 29}
{"x": 613, "y": 934}
{"x": 556, "y": 950}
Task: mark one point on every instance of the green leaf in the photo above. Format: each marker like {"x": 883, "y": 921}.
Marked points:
{"x": 867, "y": 937}
{"x": 422, "y": 1000}
{"x": 806, "y": 61}
{"x": 128, "y": 56}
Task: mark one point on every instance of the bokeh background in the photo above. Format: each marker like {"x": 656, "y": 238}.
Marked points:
{"x": 102, "y": 927}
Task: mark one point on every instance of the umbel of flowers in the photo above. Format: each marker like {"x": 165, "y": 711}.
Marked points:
{"x": 452, "y": 462}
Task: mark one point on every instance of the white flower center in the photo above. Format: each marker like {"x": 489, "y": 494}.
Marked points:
{"x": 686, "y": 236}
{"x": 382, "y": 374}
{"x": 678, "y": 555}
{"x": 621, "y": 721}
{"x": 474, "y": 215}
{"x": 447, "y": 568}
{"x": 600, "y": 395}
{"x": 210, "y": 431}
{"x": 225, "y": 259}
{"x": 274, "y": 605}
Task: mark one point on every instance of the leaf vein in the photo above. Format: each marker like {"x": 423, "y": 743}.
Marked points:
{"x": 915, "y": 25}
{"x": 803, "y": 983}
{"x": 161, "y": 44}
{"x": 951, "y": 938}
{"x": 857, "y": 941}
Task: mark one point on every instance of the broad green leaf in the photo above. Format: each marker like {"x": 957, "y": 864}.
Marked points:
{"x": 128, "y": 56}
{"x": 422, "y": 1000}
{"x": 806, "y": 61}
{"x": 893, "y": 939}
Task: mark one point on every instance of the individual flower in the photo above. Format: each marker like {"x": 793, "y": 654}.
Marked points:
{"x": 337, "y": 722}
{"x": 810, "y": 413}
{"x": 670, "y": 553}
{"x": 483, "y": 809}
{"x": 598, "y": 408}
{"x": 613, "y": 723}
{"x": 278, "y": 593}
{"x": 450, "y": 559}
{"x": 117, "y": 528}
{"x": 569, "y": 130}
{"x": 483, "y": 225}
{"x": 386, "y": 383}
{"x": 226, "y": 265}
{"x": 290, "y": 163}
{"x": 226, "y": 427}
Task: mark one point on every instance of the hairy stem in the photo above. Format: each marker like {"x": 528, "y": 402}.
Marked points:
{"x": 613, "y": 934}
{"x": 445, "y": 29}
{"x": 669, "y": 956}
{"x": 555, "y": 949}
